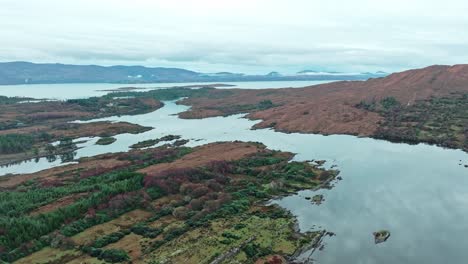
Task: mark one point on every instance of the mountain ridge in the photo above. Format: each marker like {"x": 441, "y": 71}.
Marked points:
{"x": 22, "y": 72}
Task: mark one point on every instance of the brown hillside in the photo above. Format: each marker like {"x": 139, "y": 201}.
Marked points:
{"x": 331, "y": 108}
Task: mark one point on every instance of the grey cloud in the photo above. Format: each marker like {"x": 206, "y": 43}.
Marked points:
{"x": 208, "y": 35}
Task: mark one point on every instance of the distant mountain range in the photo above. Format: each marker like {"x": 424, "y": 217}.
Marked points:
{"x": 32, "y": 73}
{"x": 321, "y": 73}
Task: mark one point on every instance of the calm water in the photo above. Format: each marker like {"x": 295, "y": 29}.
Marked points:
{"x": 75, "y": 91}
{"x": 418, "y": 192}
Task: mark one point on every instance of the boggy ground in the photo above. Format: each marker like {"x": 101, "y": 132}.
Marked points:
{"x": 346, "y": 107}
{"x": 38, "y": 138}
{"x": 27, "y": 129}
{"x": 442, "y": 121}
{"x": 158, "y": 205}
{"x": 77, "y": 130}
{"x": 23, "y": 115}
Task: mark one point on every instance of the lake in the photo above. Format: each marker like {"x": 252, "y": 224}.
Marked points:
{"x": 417, "y": 192}
{"x": 80, "y": 90}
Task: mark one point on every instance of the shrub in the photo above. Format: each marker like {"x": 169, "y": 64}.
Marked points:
{"x": 265, "y": 104}
{"x": 255, "y": 250}
{"x": 196, "y": 204}
{"x": 146, "y": 231}
{"x": 181, "y": 212}
{"x": 108, "y": 239}
{"x": 200, "y": 191}
{"x": 15, "y": 143}
{"x": 113, "y": 255}
{"x": 230, "y": 235}
{"x": 389, "y": 103}
{"x": 154, "y": 192}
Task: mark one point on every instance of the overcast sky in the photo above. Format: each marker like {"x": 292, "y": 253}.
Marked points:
{"x": 238, "y": 35}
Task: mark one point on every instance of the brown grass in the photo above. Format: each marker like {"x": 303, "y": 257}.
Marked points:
{"x": 8, "y": 182}
{"x": 50, "y": 255}
{"x": 122, "y": 222}
{"x": 64, "y": 201}
{"x": 131, "y": 244}
{"x": 205, "y": 154}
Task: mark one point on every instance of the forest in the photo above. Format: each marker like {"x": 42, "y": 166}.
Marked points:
{"x": 14, "y": 143}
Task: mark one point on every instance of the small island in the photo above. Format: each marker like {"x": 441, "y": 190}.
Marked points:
{"x": 106, "y": 141}
{"x": 151, "y": 142}
{"x": 317, "y": 199}
{"x": 381, "y": 236}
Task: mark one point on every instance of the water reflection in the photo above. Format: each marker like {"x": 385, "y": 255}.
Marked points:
{"x": 58, "y": 153}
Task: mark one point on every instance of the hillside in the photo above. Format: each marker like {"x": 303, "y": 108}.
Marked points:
{"x": 419, "y": 103}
